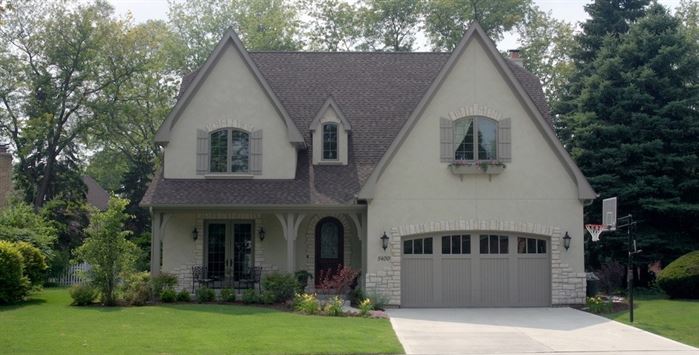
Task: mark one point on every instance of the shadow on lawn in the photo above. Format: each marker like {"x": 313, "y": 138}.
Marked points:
{"x": 28, "y": 303}
{"x": 221, "y": 308}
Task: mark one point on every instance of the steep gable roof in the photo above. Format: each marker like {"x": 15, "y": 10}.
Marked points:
{"x": 476, "y": 32}
{"x": 194, "y": 81}
{"x": 330, "y": 104}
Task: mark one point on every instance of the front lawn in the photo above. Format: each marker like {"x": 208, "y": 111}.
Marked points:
{"x": 675, "y": 319}
{"x": 47, "y": 324}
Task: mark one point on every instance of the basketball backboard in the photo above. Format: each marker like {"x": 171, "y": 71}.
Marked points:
{"x": 609, "y": 213}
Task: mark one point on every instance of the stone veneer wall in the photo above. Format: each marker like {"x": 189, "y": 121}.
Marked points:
{"x": 184, "y": 272}
{"x": 5, "y": 176}
{"x": 310, "y": 242}
{"x": 567, "y": 287}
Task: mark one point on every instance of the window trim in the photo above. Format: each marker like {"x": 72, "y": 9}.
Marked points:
{"x": 476, "y": 126}
{"x": 229, "y": 154}
{"x": 337, "y": 142}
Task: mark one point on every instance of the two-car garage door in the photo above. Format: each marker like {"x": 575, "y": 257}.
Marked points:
{"x": 475, "y": 270}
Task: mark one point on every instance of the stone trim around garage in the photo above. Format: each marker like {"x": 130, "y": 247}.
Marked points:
{"x": 567, "y": 287}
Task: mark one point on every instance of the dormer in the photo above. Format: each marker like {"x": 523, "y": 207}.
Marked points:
{"x": 330, "y": 131}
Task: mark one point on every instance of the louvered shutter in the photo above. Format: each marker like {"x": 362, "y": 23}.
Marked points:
{"x": 256, "y": 152}
{"x": 446, "y": 132}
{"x": 505, "y": 140}
{"x": 202, "y": 152}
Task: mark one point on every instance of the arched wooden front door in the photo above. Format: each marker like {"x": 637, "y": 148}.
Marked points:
{"x": 329, "y": 246}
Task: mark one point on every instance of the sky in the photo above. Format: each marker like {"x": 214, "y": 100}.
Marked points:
{"x": 569, "y": 10}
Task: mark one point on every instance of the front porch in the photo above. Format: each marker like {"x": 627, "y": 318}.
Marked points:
{"x": 229, "y": 244}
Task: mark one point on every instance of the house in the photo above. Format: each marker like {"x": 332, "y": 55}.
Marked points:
{"x": 437, "y": 175}
{"x": 96, "y": 195}
{"x": 5, "y": 176}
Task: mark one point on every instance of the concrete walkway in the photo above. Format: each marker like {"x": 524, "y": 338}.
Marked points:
{"x": 523, "y": 331}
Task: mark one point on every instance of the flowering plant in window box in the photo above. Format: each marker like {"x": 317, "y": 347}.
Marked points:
{"x": 490, "y": 167}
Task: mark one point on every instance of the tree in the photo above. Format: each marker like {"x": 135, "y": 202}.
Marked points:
{"x": 391, "y": 24}
{"x": 688, "y": 13}
{"x": 446, "y": 20}
{"x": 261, "y": 25}
{"x": 546, "y": 44}
{"x": 335, "y": 25}
{"x": 56, "y": 59}
{"x": 635, "y": 134}
{"x": 107, "y": 249}
{"x": 19, "y": 223}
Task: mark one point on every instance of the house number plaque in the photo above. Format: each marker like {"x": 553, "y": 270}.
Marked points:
{"x": 384, "y": 258}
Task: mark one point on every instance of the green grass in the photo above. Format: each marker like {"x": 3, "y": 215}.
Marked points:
{"x": 675, "y": 319}
{"x": 47, "y": 324}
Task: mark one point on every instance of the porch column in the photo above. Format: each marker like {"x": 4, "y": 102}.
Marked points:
{"x": 290, "y": 226}
{"x": 156, "y": 219}
{"x": 360, "y": 223}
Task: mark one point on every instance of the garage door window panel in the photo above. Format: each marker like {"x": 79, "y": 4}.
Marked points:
{"x": 494, "y": 244}
{"x": 531, "y": 246}
{"x": 417, "y": 246}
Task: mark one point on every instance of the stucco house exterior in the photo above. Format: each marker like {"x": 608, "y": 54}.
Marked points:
{"x": 450, "y": 156}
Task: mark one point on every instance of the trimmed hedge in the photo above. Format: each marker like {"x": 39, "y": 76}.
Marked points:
{"x": 14, "y": 286}
{"x": 34, "y": 263}
{"x": 680, "y": 279}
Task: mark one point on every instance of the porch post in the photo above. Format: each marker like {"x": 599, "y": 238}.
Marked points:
{"x": 156, "y": 219}
{"x": 360, "y": 222}
{"x": 290, "y": 225}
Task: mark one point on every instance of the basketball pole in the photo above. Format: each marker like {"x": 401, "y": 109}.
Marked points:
{"x": 628, "y": 223}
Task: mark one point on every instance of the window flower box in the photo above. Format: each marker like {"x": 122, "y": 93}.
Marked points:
{"x": 476, "y": 168}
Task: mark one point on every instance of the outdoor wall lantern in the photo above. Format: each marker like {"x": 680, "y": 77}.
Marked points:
{"x": 195, "y": 233}
{"x": 384, "y": 241}
{"x": 566, "y": 241}
{"x": 261, "y": 233}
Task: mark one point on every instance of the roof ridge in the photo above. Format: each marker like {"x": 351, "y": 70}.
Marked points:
{"x": 343, "y": 52}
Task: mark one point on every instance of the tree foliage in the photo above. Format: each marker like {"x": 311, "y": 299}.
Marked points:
{"x": 107, "y": 249}
{"x": 634, "y": 134}
{"x": 391, "y": 25}
{"x": 446, "y": 20}
{"x": 19, "y": 223}
{"x": 336, "y": 26}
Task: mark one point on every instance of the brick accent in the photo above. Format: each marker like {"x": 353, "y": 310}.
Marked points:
{"x": 5, "y": 177}
{"x": 475, "y": 110}
{"x": 567, "y": 287}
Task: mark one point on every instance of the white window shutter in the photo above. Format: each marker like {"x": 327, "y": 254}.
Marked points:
{"x": 256, "y": 152}
{"x": 202, "y": 152}
{"x": 505, "y": 140}
{"x": 446, "y": 140}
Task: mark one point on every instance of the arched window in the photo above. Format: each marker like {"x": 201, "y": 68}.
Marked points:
{"x": 480, "y": 146}
{"x": 229, "y": 151}
{"x": 330, "y": 141}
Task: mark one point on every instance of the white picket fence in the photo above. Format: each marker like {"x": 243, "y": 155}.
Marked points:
{"x": 72, "y": 276}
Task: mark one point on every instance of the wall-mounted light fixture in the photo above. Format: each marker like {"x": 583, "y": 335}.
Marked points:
{"x": 566, "y": 241}
{"x": 261, "y": 233}
{"x": 195, "y": 233}
{"x": 384, "y": 241}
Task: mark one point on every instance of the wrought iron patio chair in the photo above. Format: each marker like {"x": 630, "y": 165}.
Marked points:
{"x": 200, "y": 277}
{"x": 251, "y": 279}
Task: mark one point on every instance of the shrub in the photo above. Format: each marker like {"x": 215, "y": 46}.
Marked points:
{"x": 250, "y": 296}
{"x": 334, "y": 307}
{"x": 184, "y": 296}
{"x": 378, "y": 300}
{"x": 281, "y": 286}
{"x": 302, "y": 278}
{"x": 82, "y": 295}
{"x": 205, "y": 294}
{"x": 107, "y": 250}
{"x": 680, "y": 279}
{"x": 611, "y": 276}
{"x": 599, "y": 305}
{"x": 267, "y": 297}
{"x": 227, "y": 295}
{"x": 13, "y": 284}
{"x": 137, "y": 288}
{"x": 337, "y": 281}
{"x": 168, "y": 296}
{"x": 34, "y": 263}
{"x": 19, "y": 222}
{"x": 306, "y": 303}
{"x": 162, "y": 282}
{"x": 356, "y": 296}
{"x": 365, "y": 307}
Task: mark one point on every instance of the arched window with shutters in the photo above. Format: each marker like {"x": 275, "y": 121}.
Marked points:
{"x": 475, "y": 138}
{"x": 229, "y": 150}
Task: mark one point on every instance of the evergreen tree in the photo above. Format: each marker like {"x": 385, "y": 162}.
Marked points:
{"x": 635, "y": 136}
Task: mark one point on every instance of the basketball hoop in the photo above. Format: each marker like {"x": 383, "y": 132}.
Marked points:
{"x": 595, "y": 230}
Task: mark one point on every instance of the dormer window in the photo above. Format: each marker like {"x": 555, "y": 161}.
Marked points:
{"x": 478, "y": 147}
{"x": 229, "y": 151}
{"x": 330, "y": 141}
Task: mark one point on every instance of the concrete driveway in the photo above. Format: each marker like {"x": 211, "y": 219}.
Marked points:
{"x": 523, "y": 331}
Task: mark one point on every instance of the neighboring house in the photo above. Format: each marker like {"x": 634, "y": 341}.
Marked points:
{"x": 5, "y": 176}
{"x": 96, "y": 195}
{"x": 450, "y": 156}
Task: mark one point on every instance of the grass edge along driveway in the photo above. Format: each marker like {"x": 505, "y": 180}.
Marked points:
{"x": 46, "y": 323}
{"x": 674, "y": 319}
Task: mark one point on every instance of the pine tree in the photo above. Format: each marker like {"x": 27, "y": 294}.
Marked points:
{"x": 635, "y": 135}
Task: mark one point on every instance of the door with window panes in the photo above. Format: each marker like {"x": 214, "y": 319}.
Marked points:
{"x": 475, "y": 270}
{"x": 228, "y": 251}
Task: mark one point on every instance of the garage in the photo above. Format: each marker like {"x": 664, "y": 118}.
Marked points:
{"x": 475, "y": 270}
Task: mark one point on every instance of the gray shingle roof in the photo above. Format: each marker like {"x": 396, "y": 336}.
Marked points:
{"x": 375, "y": 91}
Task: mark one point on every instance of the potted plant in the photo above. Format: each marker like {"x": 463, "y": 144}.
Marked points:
{"x": 490, "y": 167}
{"x": 302, "y": 277}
